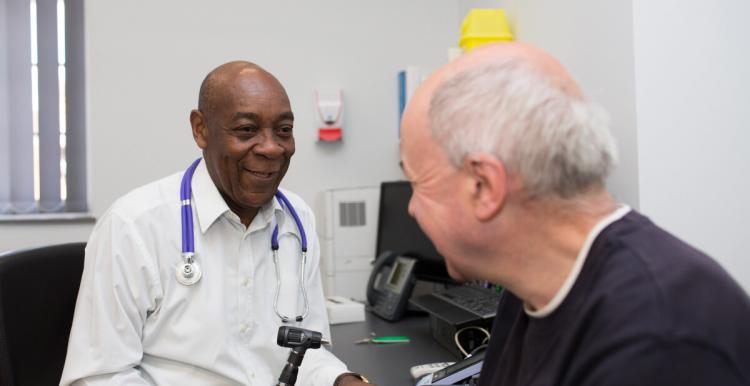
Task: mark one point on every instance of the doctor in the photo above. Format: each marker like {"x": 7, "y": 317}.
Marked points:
{"x": 180, "y": 285}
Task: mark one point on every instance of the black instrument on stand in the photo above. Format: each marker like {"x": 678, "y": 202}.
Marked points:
{"x": 299, "y": 340}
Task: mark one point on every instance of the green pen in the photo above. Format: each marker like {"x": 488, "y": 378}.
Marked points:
{"x": 384, "y": 339}
{"x": 391, "y": 339}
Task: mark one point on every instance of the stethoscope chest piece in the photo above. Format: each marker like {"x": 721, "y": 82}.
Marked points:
{"x": 188, "y": 273}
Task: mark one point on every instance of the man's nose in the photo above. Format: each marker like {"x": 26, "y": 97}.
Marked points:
{"x": 268, "y": 145}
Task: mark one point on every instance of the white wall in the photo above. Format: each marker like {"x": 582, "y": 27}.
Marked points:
{"x": 693, "y": 99}
{"x": 683, "y": 66}
{"x": 674, "y": 77}
{"x": 464, "y": 6}
{"x": 593, "y": 39}
{"x": 146, "y": 59}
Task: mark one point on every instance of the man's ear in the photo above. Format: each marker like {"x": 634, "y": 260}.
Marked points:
{"x": 200, "y": 129}
{"x": 488, "y": 185}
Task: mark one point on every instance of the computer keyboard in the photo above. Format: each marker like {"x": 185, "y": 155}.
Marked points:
{"x": 480, "y": 301}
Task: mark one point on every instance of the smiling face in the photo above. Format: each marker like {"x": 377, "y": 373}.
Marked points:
{"x": 244, "y": 126}
{"x": 436, "y": 202}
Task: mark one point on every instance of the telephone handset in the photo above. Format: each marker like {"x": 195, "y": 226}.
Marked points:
{"x": 390, "y": 285}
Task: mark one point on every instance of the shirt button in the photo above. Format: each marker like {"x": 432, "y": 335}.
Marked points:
{"x": 245, "y": 282}
{"x": 243, "y": 328}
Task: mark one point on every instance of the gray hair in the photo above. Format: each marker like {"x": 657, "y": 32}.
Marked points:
{"x": 558, "y": 143}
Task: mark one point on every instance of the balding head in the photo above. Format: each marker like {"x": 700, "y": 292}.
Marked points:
{"x": 488, "y": 55}
{"x": 216, "y": 85}
{"x": 519, "y": 104}
{"x": 525, "y": 55}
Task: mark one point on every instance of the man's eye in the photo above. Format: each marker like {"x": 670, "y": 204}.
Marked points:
{"x": 246, "y": 129}
{"x": 285, "y": 130}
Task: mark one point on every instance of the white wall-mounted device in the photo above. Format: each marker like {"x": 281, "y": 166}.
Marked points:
{"x": 329, "y": 107}
{"x": 347, "y": 227}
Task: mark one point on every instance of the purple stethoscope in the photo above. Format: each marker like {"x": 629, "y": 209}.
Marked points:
{"x": 189, "y": 272}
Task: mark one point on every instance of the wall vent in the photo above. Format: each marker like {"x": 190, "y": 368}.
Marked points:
{"x": 352, "y": 214}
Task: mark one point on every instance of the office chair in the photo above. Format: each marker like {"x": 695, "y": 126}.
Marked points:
{"x": 38, "y": 290}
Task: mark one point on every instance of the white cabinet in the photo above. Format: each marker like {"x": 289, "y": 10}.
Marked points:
{"x": 347, "y": 227}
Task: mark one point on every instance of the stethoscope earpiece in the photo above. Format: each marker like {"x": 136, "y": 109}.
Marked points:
{"x": 189, "y": 272}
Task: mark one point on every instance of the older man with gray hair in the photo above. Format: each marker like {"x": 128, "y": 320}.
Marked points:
{"x": 508, "y": 163}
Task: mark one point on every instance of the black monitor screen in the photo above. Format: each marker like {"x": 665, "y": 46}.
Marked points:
{"x": 398, "y": 232}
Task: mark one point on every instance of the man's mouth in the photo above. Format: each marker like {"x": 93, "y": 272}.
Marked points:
{"x": 262, "y": 174}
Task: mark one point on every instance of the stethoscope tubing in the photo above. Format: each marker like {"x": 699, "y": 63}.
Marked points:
{"x": 275, "y": 235}
{"x": 188, "y": 243}
{"x": 188, "y": 246}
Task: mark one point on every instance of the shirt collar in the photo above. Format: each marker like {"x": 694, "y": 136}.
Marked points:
{"x": 265, "y": 215}
{"x": 273, "y": 213}
{"x": 209, "y": 205}
{"x": 285, "y": 220}
{"x": 563, "y": 291}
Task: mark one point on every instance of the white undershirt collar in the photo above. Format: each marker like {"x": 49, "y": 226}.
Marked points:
{"x": 550, "y": 307}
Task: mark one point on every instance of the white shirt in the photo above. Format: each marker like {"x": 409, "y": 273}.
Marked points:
{"x": 562, "y": 293}
{"x": 134, "y": 324}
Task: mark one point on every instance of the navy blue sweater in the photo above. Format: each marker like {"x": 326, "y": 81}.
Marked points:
{"x": 646, "y": 309}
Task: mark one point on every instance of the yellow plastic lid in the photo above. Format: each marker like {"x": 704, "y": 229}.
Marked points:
{"x": 481, "y": 26}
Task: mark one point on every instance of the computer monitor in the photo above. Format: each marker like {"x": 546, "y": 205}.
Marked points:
{"x": 399, "y": 232}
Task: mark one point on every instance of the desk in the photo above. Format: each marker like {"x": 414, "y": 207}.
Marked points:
{"x": 387, "y": 364}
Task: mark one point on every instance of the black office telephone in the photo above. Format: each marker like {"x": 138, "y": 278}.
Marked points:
{"x": 390, "y": 285}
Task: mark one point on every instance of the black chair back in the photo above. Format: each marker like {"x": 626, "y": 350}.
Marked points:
{"x": 38, "y": 290}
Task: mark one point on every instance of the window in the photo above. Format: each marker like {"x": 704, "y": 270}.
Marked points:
{"x": 42, "y": 112}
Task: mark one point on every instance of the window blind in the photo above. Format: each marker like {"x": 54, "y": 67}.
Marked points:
{"x": 42, "y": 110}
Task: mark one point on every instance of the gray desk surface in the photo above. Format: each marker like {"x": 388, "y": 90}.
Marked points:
{"x": 387, "y": 364}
